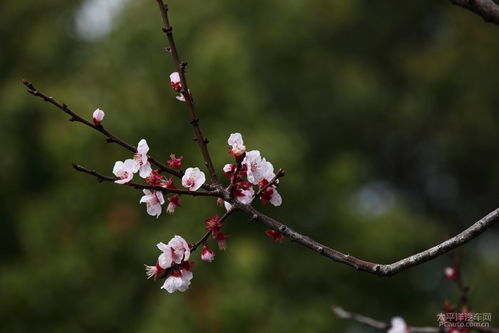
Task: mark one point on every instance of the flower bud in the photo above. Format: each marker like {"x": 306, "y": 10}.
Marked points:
{"x": 98, "y": 116}
{"x": 207, "y": 254}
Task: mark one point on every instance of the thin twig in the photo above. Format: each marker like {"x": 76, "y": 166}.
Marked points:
{"x": 208, "y": 233}
{"x": 273, "y": 181}
{"x": 378, "y": 269}
{"x": 487, "y": 9}
{"x": 180, "y": 65}
{"x": 100, "y": 128}
{"x": 102, "y": 178}
{"x": 383, "y": 326}
{"x": 376, "y": 324}
{"x": 235, "y": 176}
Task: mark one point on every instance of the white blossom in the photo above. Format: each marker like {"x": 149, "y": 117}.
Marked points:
{"x": 153, "y": 201}
{"x": 179, "y": 249}
{"x": 175, "y": 80}
{"x": 124, "y": 170}
{"x": 142, "y": 160}
{"x": 257, "y": 167}
{"x": 236, "y": 141}
{"x": 398, "y": 325}
{"x": 178, "y": 281}
{"x": 193, "y": 179}
{"x": 98, "y": 116}
{"x": 276, "y": 198}
{"x": 245, "y": 196}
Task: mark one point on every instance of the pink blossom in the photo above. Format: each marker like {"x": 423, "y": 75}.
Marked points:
{"x": 141, "y": 159}
{"x": 207, "y": 254}
{"x": 236, "y": 141}
{"x": 193, "y": 179}
{"x": 98, "y": 116}
{"x": 398, "y": 325}
{"x": 153, "y": 201}
{"x": 124, "y": 170}
{"x": 175, "y": 81}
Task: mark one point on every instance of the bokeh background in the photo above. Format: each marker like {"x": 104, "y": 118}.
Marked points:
{"x": 383, "y": 114}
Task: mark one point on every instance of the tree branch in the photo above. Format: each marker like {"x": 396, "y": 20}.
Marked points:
{"x": 383, "y": 326}
{"x": 207, "y": 234}
{"x": 487, "y": 9}
{"x": 273, "y": 181}
{"x": 180, "y": 65}
{"x": 376, "y": 324}
{"x": 110, "y": 137}
{"x": 102, "y": 178}
{"x": 370, "y": 267}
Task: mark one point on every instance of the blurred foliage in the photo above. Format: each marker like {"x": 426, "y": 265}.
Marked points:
{"x": 384, "y": 117}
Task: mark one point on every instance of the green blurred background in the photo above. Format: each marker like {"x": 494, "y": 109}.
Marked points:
{"x": 383, "y": 114}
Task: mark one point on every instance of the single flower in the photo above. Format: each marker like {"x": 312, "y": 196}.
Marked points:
{"x": 175, "y": 81}
{"x": 193, "y": 179}
{"x": 153, "y": 201}
{"x": 179, "y": 249}
{"x": 142, "y": 160}
{"x": 236, "y": 141}
{"x": 257, "y": 167}
{"x": 207, "y": 254}
{"x": 178, "y": 280}
{"x": 124, "y": 170}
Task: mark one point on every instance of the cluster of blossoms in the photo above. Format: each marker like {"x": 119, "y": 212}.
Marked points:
{"x": 251, "y": 170}
{"x": 174, "y": 264}
{"x": 449, "y": 320}
{"x": 193, "y": 179}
